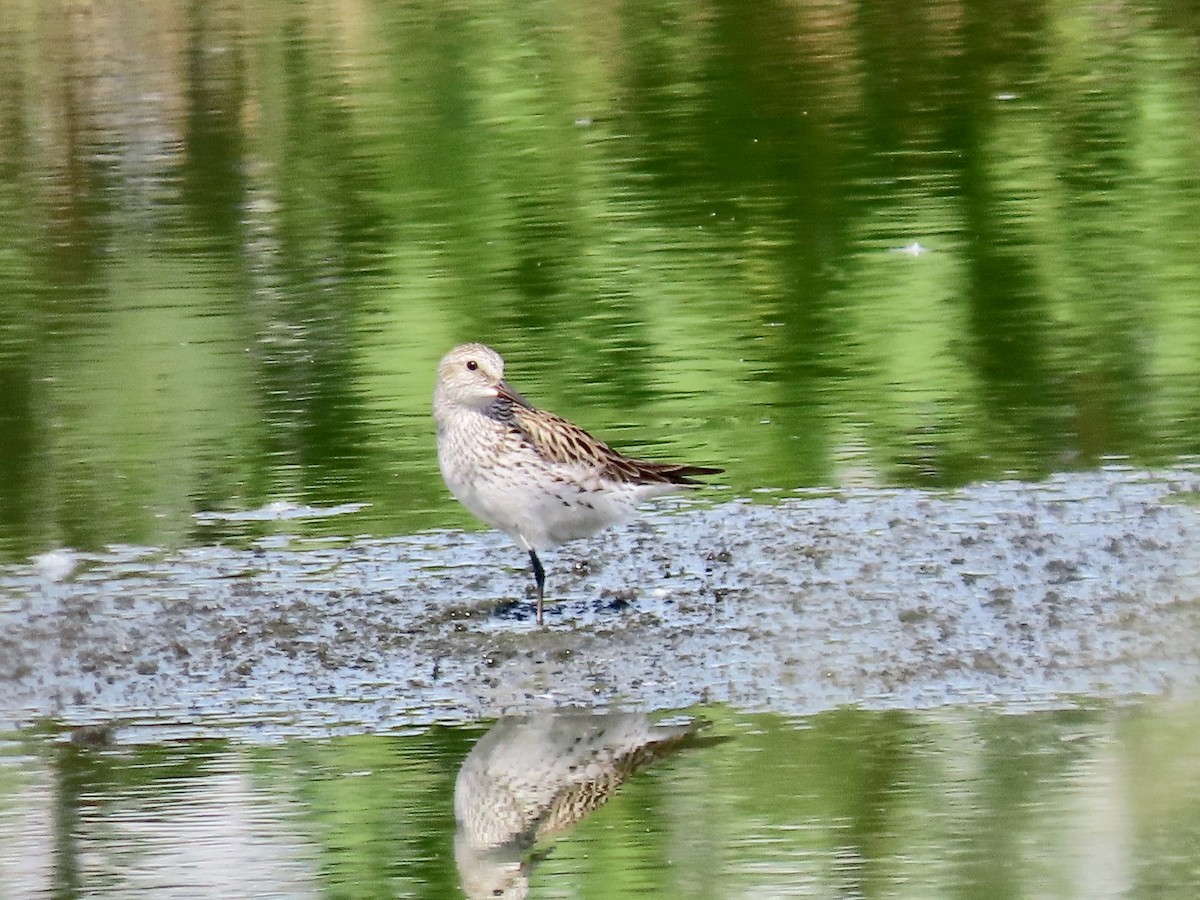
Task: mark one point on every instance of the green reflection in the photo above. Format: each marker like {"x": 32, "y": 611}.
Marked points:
{"x": 237, "y": 238}
{"x": 957, "y": 802}
{"x": 380, "y": 809}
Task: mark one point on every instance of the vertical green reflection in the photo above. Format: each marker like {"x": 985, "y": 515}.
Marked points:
{"x": 916, "y": 244}
{"x": 968, "y": 803}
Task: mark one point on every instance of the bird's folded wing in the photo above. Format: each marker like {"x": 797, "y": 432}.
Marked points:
{"x": 558, "y": 440}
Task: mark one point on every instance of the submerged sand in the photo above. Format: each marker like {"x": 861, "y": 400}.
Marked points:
{"x": 1078, "y": 588}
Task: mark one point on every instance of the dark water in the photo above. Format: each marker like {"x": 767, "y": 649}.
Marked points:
{"x": 867, "y": 245}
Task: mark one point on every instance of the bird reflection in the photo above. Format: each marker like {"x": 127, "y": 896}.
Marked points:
{"x": 530, "y": 778}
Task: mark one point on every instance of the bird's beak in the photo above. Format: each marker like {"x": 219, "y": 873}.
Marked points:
{"x": 505, "y": 392}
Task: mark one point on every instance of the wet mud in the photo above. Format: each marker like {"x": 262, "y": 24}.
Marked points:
{"x": 1083, "y": 586}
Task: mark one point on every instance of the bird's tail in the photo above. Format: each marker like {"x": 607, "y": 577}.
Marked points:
{"x": 675, "y": 473}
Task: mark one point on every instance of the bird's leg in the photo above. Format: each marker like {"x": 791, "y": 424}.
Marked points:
{"x": 539, "y": 576}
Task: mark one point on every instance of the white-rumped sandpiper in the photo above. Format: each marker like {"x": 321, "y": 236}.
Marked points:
{"x": 537, "y": 477}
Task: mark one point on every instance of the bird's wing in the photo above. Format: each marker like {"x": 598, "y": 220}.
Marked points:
{"x": 559, "y": 440}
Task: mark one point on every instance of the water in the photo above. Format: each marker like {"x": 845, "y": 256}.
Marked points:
{"x": 921, "y": 245}
{"x": 913, "y": 273}
{"x": 967, "y": 802}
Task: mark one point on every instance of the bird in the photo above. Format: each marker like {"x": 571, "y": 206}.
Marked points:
{"x": 534, "y": 475}
{"x": 532, "y": 777}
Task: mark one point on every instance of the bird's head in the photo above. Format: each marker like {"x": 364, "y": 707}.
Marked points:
{"x": 473, "y": 375}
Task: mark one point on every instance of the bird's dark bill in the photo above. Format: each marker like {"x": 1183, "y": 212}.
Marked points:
{"x": 505, "y": 392}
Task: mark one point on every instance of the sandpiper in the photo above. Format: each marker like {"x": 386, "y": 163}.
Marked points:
{"x": 533, "y": 777}
{"x": 537, "y": 477}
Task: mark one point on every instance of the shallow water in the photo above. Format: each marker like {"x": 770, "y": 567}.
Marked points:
{"x": 889, "y": 244}
{"x": 1084, "y": 585}
{"x": 923, "y": 277}
{"x": 985, "y": 693}
{"x": 1098, "y": 801}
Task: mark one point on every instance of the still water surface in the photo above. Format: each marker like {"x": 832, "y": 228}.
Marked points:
{"x": 917, "y": 244}
{"x": 1092, "y": 802}
{"x": 874, "y": 244}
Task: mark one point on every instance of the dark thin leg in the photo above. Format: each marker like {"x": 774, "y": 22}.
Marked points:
{"x": 539, "y": 576}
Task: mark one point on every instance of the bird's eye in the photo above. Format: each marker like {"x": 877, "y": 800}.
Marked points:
{"x": 472, "y": 365}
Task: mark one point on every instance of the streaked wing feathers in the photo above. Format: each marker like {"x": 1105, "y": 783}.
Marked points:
{"x": 561, "y": 441}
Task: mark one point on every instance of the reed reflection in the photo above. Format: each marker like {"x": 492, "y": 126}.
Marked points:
{"x": 531, "y": 778}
